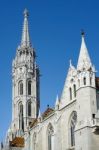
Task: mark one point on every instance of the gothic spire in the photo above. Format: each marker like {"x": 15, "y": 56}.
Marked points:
{"x": 25, "y": 41}
{"x": 84, "y": 61}
{"x": 57, "y": 103}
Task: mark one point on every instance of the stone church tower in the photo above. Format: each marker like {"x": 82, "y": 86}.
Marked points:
{"x": 25, "y": 83}
{"x": 86, "y": 100}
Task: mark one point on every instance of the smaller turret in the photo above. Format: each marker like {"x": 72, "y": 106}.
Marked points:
{"x": 84, "y": 61}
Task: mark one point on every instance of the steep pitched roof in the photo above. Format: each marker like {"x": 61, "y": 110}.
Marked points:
{"x": 84, "y": 61}
{"x": 17, "y": 142}
{"x": 47, "y": 112}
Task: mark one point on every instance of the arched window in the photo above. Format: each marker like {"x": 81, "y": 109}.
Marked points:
{"x": 70, "y": 92}
{"x": 73, "y": 121}
{"x": 74, "y": 86}
{"x": 50, "y": 137}
{"x": 29, "y": 87}
{"x": 21, "y": 120}
{"x": 84, "y": 80}
{"x": 29, "y": 108}
{"x": 20, "y": 88}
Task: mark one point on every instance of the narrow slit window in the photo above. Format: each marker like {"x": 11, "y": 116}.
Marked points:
{"x": 70, "y": 92}
{"x": 74, "y": 90}
{"x": 29, "y": 87}
{"x": 84, "y": 81}
{"x": 21, "y": 120}
{"x": 29, "y": 108}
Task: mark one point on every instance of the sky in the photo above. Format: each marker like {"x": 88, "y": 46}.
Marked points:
{"x": 55, "y": 31}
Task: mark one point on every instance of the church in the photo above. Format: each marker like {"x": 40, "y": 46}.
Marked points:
{"x": 73, "y": 123}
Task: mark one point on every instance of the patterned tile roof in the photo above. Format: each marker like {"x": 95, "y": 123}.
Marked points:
{"x": 17, "y": 142}
{"x": 47, "y": 112}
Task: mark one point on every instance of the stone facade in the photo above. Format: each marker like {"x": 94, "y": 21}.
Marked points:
{"x": 73, "y": 124}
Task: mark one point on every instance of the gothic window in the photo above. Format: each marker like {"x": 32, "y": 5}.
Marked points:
{"x": 84, "y": 80}
{"x": 21, "y": 121}
{"x": 20, "y": 88}
{"x": 73, "y": 121}
{"x": 50, "y": 137}
{"x": 29, "y": 87}
{"x": 29, "y": 108}
{"x": 70, "y": 92}
{"x": 74, "y": 86}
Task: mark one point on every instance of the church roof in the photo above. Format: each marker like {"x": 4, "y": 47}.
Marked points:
{"x": 47, "y": 112}
{"x": 17, "y": 142}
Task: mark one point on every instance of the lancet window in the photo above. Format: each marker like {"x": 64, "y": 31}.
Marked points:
{"x": 29, "y": 87}
{"x": 20, "y": 88}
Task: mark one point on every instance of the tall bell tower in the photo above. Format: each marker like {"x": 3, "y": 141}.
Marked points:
{"x": 25, "y": 82}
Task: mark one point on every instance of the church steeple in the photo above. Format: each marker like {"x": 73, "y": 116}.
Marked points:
{"x": 84, "y": 61}
{"x": 25, "y": 41}
{"x": 25, "y": 72}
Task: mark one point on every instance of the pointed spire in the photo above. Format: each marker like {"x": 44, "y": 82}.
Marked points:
{"x": 25, "y": 42}
{"x": 84, "y": 60}
{"x": 70, "y": 63}
{"x": 39, "y": 115}
{"x": 57, "y": 103}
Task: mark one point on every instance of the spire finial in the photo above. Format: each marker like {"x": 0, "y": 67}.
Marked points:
{"x": 70, "y": 61}
{"x": 82, "y": 33}
{"x": 26, "y": 13}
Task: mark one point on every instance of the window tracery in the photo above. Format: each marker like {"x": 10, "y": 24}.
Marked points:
{"x": 73, "y": 121}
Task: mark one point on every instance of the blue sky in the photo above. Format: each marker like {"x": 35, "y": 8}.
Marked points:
{"x": 55, "y": 27}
